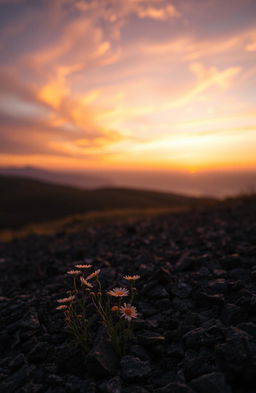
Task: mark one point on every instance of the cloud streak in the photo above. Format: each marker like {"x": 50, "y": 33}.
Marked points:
{"x": 105, "y": 79}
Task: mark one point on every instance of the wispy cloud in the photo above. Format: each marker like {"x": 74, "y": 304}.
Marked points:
{"x": 104, "y": 80}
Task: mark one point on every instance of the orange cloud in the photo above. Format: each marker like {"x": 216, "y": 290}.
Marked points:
{"x": 91, "y": 86}
{"x": 164, "y": 13}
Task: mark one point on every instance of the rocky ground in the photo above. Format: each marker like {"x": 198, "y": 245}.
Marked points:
{"x": 197, "y": 302}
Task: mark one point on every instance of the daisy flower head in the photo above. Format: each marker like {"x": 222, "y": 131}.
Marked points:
{"x": 93, "y": 275}
{"x": 118, "y": 292}
{"x": 132, "y": 278}
{"x": 85, "y": 282}
{"x": 74, "y": 272}
{"x": 128, "y": 312}
{"x": 83, "y": 266}
{"x": 62, "y": 307}
{"x": 66, "y": 299}
{"x": 115, "y": 308}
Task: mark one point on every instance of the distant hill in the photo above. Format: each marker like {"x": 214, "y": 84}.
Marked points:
{"x": 24, "y": 201}
{"x": 213, "y": 183}
{"x": 80, "y": 179}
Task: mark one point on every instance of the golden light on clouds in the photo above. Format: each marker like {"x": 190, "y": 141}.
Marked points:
{"x": 128, "y": 84}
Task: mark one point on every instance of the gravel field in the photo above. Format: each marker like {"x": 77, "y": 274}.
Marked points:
{"x": 196, "y": 332}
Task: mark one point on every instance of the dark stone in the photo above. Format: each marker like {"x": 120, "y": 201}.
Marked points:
{"x": 149, "y": 338}
{"x": 139, "y": 352}
{"x": 175, "y": 351}
{"x": 239, "y": 274}
{"x": 211, "y": 383}
{"x": 135, "y": 389}
{"x": 181, "y": 290}
{"x": 78, "y": 385}
{"x": 184, "y": 263}
{"x": 31, "y": 321}
{"x": 197, "y": 338}
{"x": 161, "y": 380}
{"x": 232, "y": 314}
{"x": 218, "y": 286}
{"x": 17, "y": 380}
{"x": 204, "y": 272}
{"x": 102, "y": 361}
{"x": 198, "y": 363}
{"x": 5, "y": 341}
{"x": 175, "y": 388}
{"x": 54, "y": 380}
{"x": 158, "y": 292}
{"x": 182, "y": 305}
{"x": 220, "y": 273}
{"x": 112, "y": 385}
{"x": 163, "y": 304}
{"x": 231, "y": 261}
{"x": 38, "y": 353}
{"x": 133, "y": 368}
{"x": 236, "y": 356}
{"x": 163, "y": 275}
{"x": 17, "y": 362}
{"x": 70, "y": 360}
{"x": 56, "y": 389}
{"x": 248, "y": 327}
{"x": 204, "y": 299}
{"x": 28, "y": 344}
{"x": 148, "y": 309}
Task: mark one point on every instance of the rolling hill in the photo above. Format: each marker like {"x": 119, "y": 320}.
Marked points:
{"x": 24, "y": 201}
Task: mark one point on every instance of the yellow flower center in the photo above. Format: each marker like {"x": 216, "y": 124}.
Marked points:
{"x": 128, "y": 312}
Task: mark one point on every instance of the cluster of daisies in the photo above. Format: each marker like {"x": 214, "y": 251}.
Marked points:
{"x": 91, "y": 283}
{"x": 114, "y": 314}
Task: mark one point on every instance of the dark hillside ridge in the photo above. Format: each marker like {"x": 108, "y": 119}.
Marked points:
{"x": 82, "y": 179}
{"x": 24, "y": 201}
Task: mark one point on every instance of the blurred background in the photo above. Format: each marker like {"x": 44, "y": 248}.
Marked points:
{"x": 108, "y": 104}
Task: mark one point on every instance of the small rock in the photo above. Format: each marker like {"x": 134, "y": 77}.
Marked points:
{"x": 158, "y": 292}
{"x": 197, "y": 338}
{"x": 17, "y": 380}
{"x": 175, "y": 351}
{"x": 232, "y": 314}
{"x": 135, "y": 389}
{"x": 197, "y": 363}
{"x": 203, "y": 299}
{"x": 17, "y": 362}
{"x": 70, "y": 359}
{"x": 204, "y": 272}
{"x": 38, "y": 353}
{"x": 239, "y": 274}
{"x": 113, "y": 385}
{"x": 102, "y": 361}
{"x": 31, "y": 321}
{"x": 149, "y": 338}
{"x": 184, "y": 263}
{"x": 231, "y": 261}
{"x": 234, "y": 355}
{"x": 181, "y": 290}
{"x": 139, "y": 352}
{"x": 220, "y": 273}
{"x": 133, "y": 368}
{"x": 218, "y": 286}
{"x": 162, "y": 275}
{"x": 175, "y": 388}
{"x": 211, "y": 383}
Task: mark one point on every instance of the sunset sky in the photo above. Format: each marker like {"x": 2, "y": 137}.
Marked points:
{"x": 153, "y": 84}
